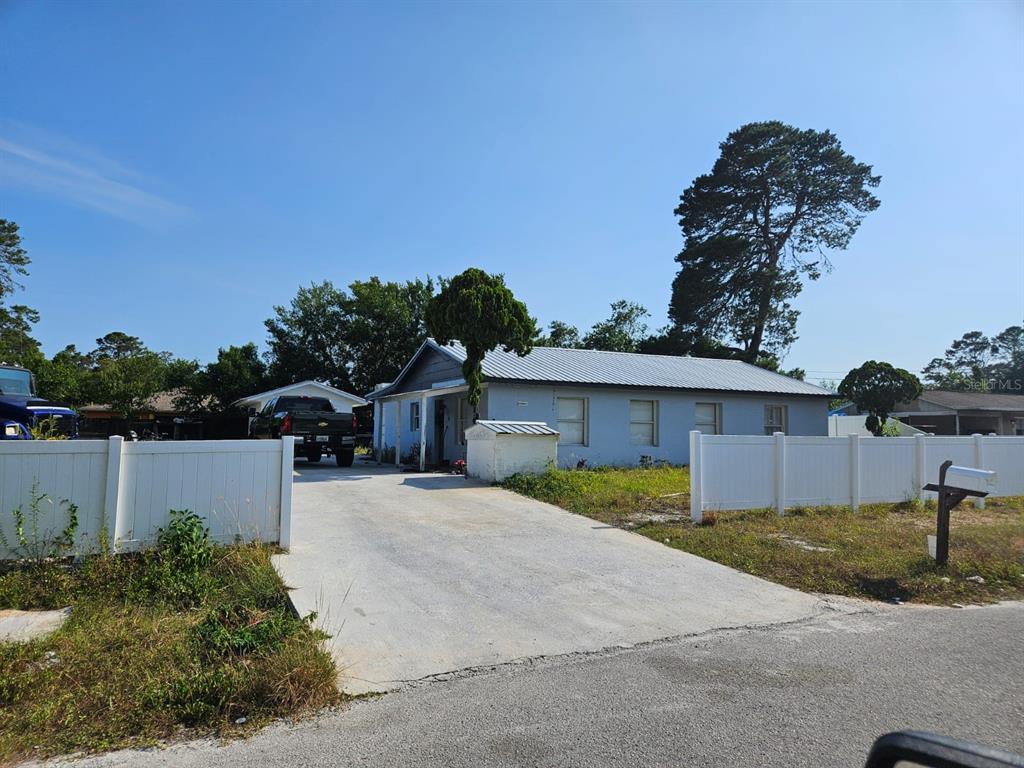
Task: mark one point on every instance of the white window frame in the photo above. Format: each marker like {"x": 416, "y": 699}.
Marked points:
{"x": 770, "y": 427}
{"x": 653, "y": 422}
{"x": 717, "y": 426}
{"x": 585, "y": 420}
{"x": 414, "y": 416}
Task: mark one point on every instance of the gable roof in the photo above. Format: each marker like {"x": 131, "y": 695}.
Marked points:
{"x": 973, "y": 401}
{"x": 327, "y": 389}
{"x": 556, "y": 365}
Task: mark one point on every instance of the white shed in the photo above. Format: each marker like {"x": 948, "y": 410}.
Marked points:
{"x": 498, "y": 449}
{"x": 342, "y": 401}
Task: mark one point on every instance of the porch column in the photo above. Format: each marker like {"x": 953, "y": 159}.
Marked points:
{"x": 398, "y": 432}
{"x": 423, "y": 432}
{"x": 378, "y": 428}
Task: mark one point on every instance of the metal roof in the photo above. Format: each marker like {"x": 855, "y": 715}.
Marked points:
{"x": 627, "y": 369}
{"x": 516, "y": 427}
{"x": 973, "y": 401}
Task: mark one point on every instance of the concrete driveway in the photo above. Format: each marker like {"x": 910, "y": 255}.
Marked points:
{"x": 417, "y": 575}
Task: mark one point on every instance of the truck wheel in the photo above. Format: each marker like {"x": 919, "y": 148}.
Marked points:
{"x": 314, "y": 455}
{"x": 345, "y": 457}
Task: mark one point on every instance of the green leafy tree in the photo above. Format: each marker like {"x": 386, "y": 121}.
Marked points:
{"x": 14, "y": 259}
{"x": 478, "y": 310}
{"x": 67, "y": 377}
{"x": 875, "y": 388}
{"x": 236, "y": 373}
{"x": 560, "y": 334}
{"x": 1007, "y": 370}
{"x": 622, "y": 332}
{"x": 775, "y": 200}
{"x": 385, "y": 322}
{"x": 308, "y": 338}
{"x": 17, "y": 345}
{"x": 128, "y": 383}
{"x": 116, "y": 345}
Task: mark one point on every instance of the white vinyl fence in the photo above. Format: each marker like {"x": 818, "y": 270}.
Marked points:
{"x": 241, "y": 488}
{"x": 753, "y": 472}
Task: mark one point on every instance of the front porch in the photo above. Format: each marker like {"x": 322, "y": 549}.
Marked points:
{"x": 426, "y": 428}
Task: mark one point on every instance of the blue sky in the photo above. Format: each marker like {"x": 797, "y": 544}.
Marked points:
{"x": 178, "y": 168}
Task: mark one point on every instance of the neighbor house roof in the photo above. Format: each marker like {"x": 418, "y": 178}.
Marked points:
{"x": 624, "y": 369}
{"x": 970, "y": 401}
{"x": 161, "y": 402}
{"x": 327, "y": 389}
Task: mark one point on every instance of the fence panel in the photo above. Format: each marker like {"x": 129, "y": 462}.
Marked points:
{"x": 746, "y": 472}
{"x": 241, "y": 488}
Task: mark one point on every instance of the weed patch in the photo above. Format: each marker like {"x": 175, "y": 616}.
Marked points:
{"x": 188, "y": 636}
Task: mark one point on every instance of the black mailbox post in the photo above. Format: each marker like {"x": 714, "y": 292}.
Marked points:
{"x": 949, "y": 497}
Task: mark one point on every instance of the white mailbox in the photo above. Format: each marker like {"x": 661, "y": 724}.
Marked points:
{"x": 499, "y": 449}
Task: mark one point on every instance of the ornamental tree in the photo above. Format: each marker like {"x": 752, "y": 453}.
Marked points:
{"x": 876, "y": 388}
{"x": 478, "y": 310}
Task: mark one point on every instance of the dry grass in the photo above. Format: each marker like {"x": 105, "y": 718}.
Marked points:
{"x": 878, "y": 552}
{"x": 137, "y": 663}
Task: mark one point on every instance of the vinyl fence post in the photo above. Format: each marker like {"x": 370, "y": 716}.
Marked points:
{"x": 112, "y": 493}
{"x": 284, "y": 538}
{"x": 920, "y": 471}
{"x": 780, "y": 472}
{"x": 854, "y": 472}
{"x": 979, "y": 463}
{"x": 696, "y": 477}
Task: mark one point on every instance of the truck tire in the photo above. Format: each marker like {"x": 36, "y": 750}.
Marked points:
{"x": 314, "y": 455}
{"x": 345, "y": 456}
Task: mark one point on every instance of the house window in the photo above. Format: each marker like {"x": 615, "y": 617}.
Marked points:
{"x": 464, "y": 417}
{"x": 643, "y": 422}
{"x": 775, "y": 419}
{"x": 708, "y": 418}
{"x": 572, "y": 420}
{"x": 414, "y": 416}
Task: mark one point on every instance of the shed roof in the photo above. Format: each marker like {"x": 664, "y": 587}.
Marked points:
{"x": 626, "y": 369}
{"x": 516, "y": 427}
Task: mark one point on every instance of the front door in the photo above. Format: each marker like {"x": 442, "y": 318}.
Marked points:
{"x": 439, "y": 412}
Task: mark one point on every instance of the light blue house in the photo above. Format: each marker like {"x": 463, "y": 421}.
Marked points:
{"x": 610, "y": 408}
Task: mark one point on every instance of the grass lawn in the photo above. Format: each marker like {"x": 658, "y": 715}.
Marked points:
{"x": 187, "y": 639}
{"x": 878, "y": 552}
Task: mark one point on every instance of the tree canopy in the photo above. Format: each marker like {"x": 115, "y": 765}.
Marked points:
{"x": 875, "y": 388}
{"x": 307, "y": 338}
{"x": 14, "y": 259}
{"x": 775, "y": 200}
{"x": 622, "y": 332}
{"x": 478, "y": 310}
{"x": 979, "y": 362}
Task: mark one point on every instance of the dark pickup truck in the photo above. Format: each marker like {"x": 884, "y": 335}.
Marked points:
{"x": 316, "y": 426}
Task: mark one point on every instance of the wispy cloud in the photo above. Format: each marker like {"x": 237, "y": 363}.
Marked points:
{"x": 59, "y": 168}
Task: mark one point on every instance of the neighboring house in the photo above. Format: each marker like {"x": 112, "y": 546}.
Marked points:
{"x": 343, "y": 402}
{"x": 159, "y": 418}
{"x": 608, "y": 407}
{"x": 964, "y": 413}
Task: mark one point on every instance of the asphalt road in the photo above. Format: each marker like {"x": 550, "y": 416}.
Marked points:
{"x": 811, "y": 693}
